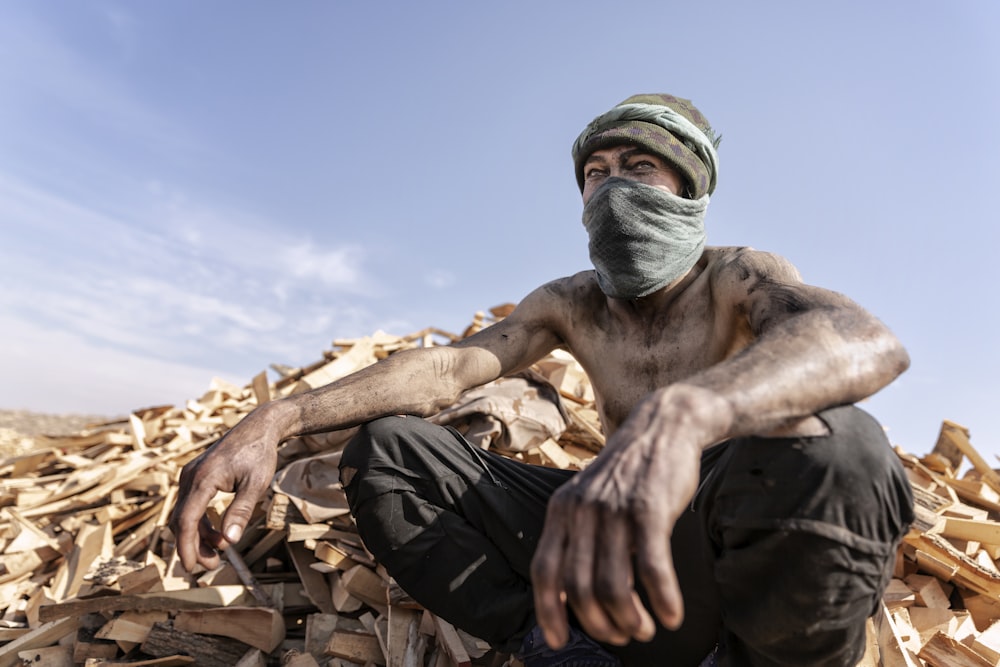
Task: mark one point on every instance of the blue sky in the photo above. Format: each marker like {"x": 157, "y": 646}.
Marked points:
{"x": 190, "y": 190}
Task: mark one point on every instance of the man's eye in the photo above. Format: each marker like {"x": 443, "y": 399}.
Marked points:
{"x": 642, "y": 165}
{"x": 594, "y": 173}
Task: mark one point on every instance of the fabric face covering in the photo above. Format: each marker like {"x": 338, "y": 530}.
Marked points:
{"x": 642, "y": 237}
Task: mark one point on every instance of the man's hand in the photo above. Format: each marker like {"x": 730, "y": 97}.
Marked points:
{"x": 624, "y": 505}
{"x": 243, "y": 462}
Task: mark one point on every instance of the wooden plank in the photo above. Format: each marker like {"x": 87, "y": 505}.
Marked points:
{"x": 954, "y": 434}
{"x": 91, "y": 542}
{"x": 138, "y": 431}
{"x": 987, "y": 532}
{"x": 31, "y": 528}
{"x": 45, "y": 635}
{"x": 195, "y": 598}
{"x": 261, "y": 390}
{"x": 167, "y": 661}
{"x": 892, "y": 647}
{"x": 334, "y": 555}
{"x": 405, "y": 646}
{"x": 313, "y": 582}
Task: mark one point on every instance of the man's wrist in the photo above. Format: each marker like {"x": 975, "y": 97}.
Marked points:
{"x": 280, "y": 418}
{"x": 706, "y": 411}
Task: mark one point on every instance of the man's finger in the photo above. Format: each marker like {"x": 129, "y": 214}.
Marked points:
{"x": 208, "y": 544}
{"x": 186, "y": 520}
{"x": 615, "y": 584}
{"x": 546, "y": 579}
{"x": 581, "y": 575}
{"x": 656, "y": 570}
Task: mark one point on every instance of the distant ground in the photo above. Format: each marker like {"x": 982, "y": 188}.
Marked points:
{"x": 19, "y": 427}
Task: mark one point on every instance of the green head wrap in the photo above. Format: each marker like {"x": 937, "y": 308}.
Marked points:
{"x": 668, "y": 126}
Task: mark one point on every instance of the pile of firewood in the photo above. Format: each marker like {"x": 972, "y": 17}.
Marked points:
{"x": 942, "y": 607}
{"x": 89, "y": 574}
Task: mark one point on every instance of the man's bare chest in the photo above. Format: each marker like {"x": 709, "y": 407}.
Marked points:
{"x": 626, "y": 363}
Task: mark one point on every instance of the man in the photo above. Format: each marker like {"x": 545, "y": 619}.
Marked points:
{"x": 740, "y": 500}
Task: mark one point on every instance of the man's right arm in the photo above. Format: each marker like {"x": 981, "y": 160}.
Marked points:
{"x": 416, "y": 382}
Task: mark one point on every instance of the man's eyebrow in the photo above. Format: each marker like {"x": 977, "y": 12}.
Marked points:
{"x": 632, "y": 152}
{"x": 594, "y": 158}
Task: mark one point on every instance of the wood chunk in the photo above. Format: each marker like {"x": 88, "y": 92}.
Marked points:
{"x": 949, "y": 451}
{"x": 930, "y": 591}
{"x": 270, "y": 540}
{"x": 319, "y": 627}
{"x": 342, "y": 599}
{"x": 557, "y": 456}
{"x": 984, "y": 609}
{"x": 131, "y": 626}
{"x": 299, "y": 660}
{"x": 357, "y": 647}
{"x": 164, "y": 640}
{"x": 252, "y": 658}
{"x": 930, "y": 620}
{"x": 255, "y": 626}
{"x": 365, "y": 585}
{"x": 943, "y": 651}
{"x": 52, "y": 656}
{"x": 898, "y": 594}
{"x": 448, "y": 639}
{"x": 987, "y": 643}
{"x": 892, "y": 647}
{"x": 84, "y": 650}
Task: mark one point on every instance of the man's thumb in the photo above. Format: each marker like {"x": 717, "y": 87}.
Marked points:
{"x": 237, "y": 516}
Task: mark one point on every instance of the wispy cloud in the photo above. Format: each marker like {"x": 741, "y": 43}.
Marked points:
{"x": 221, "y": 290}
{"x": 439, "y": 278}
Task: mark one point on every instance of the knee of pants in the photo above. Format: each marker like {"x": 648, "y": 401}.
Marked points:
{"x": 377, "y": 433}
{"x": 849, "y": 481}
{"x": 797, "y": 598}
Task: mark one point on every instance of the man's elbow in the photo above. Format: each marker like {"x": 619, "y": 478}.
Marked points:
{"x": 893, "y": 359}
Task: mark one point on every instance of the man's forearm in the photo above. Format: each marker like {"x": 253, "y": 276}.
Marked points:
{"x": 417, "y": 382}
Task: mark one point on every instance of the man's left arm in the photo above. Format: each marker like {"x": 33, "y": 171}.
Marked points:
{"x": 811, "y": 349}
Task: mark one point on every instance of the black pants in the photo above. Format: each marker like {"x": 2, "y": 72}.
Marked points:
{"x": 786, "y": 549}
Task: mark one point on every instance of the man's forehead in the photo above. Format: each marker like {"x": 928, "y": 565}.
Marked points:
{"x": 621, "y": 150}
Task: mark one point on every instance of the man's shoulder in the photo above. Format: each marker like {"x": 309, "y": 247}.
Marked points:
{"x": 573, "y": 287}
{"x": 743, "y": 263}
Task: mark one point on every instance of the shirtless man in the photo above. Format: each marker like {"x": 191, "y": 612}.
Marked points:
{"x": 740, "y": 500}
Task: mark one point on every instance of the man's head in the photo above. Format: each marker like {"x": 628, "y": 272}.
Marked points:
{"x": 666, "y": 126}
